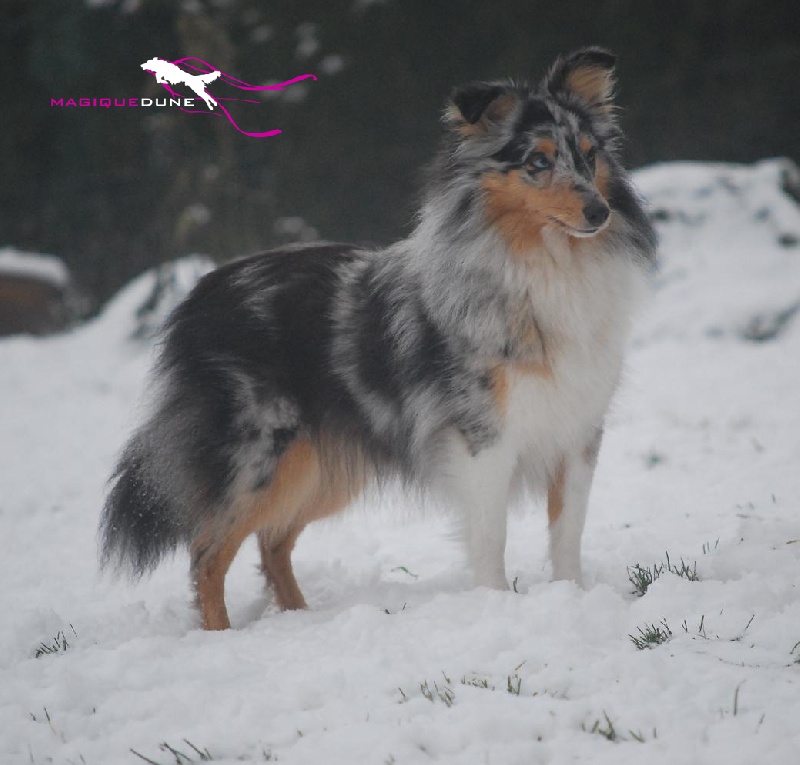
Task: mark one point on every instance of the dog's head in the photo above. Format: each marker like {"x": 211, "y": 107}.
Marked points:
{"x": 544, "y": 154}
{"x": 153, "y": 65}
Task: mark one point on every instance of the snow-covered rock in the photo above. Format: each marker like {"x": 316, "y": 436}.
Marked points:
{"x": 37, "y": 295}
{"x": 46, "y": 268}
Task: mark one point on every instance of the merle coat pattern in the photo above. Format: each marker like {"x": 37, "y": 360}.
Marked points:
{"x": 474, "y": 358}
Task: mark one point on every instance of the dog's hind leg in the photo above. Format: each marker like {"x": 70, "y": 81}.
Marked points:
{"x": 209, "y": 567}
{"x": 294, "y": 485}
{"x": 305, "y": 487}
{"x": 301, "y": 490}
{"x": 276, "y": 563}
{"x": 276, "y": 517}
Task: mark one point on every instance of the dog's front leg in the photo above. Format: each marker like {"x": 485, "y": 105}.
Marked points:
{"x": 567, "y": 499}
{"x": 479, "y": 485}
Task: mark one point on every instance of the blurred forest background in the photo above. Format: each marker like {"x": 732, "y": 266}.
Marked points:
{"x": 114, "y": 191}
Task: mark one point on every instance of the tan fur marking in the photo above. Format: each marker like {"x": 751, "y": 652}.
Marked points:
{"x": 302, "y": 489}
{"x": 563, "y": 204}
{"x": 469, "y": 129}
{"x": 498, "y": 379}
{"x": 495, "y": 112}
{"x": 530, "y": 353}
{"x": 276, "y": 565}
{"x": 525, "y": 334}
{"x": 519, "y": 210}
{"x": 499, "y": 109}
{"x": 452, "y": 114}
{"x": 508, "y": 207}
{"x": 538, "y": 368}
{"x": 294, "y": 487}
{"x": 546, "y": 145}
{"x": 209, "y": 581}
{"x": 501, "y": 376}
{"x": 591, "y": 83}
{"x": 585, "y": 144}
{"x": 601, "y": 178}
{"x": 555, "y": 494}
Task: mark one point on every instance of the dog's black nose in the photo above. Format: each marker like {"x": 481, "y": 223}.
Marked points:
{"x": 596, "y": 213}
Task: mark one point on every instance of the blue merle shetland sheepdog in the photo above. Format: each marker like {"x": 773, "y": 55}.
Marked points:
{"x": 474, "y": 358}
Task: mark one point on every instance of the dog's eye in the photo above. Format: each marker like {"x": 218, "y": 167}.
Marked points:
{"x": 590, "y": 156}
{"x": 539, "y": 161}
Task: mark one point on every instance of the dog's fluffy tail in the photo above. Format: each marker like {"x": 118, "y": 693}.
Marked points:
{"x": 138, "y": 525}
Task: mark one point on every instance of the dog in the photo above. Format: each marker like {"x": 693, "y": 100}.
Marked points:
{"x": 167, "y": 72}
{"x": 477, "y": 358}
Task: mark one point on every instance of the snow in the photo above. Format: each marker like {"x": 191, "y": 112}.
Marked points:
{"x": 399, "y": 660}
{"x": 308, "y": 40}
{"x": 332, "y": 64}
{"x": 28, "y": 265}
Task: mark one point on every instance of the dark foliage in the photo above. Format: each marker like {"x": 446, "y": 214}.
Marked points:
{"x": 115, "y": 191}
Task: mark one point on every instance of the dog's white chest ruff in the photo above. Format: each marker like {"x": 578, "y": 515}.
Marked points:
{"x": 584, "y": 319}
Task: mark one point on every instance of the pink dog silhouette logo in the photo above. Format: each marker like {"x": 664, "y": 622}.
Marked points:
{"x": 169, "y": 73}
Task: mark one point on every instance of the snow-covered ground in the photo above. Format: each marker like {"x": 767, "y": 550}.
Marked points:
{"x": 399, "y": 660}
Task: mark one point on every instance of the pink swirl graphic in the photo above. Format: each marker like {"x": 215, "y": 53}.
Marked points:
{"x": 203, "y": 67}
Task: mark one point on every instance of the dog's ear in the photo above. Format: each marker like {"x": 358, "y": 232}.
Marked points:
{"x": 475, "y": 108}
{"x": 586, "y": 74}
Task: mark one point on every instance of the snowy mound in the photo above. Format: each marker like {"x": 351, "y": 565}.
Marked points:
{"x": 143, "y": 305}
{"x": 399, "y": 659}
{"x": 28, "y": 265}
{"x": 730, "y": 242}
